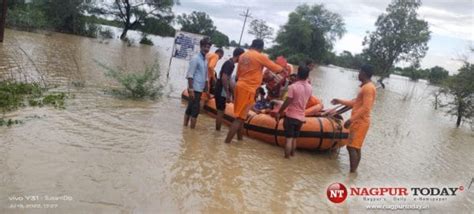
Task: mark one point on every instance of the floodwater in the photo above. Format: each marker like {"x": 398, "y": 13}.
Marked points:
{"x": 111, "y": 155}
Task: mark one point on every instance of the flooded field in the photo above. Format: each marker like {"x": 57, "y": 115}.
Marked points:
{"x": 114, "y": 155}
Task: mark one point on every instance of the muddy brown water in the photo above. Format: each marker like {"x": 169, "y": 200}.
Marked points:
{"x": 115, "y": 155}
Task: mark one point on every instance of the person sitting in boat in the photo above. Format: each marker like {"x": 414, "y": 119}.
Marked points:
{"x": 314, "y": 107}
{"x": 262, "y": 104}
{"x": 284, "y": 90}
{"x": 311, "y": 65}
{"x": 275, "y": 82}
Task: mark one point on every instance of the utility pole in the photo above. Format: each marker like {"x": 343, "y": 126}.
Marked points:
{"x": 246, "y": 14}
{"x": 2, "y": 19}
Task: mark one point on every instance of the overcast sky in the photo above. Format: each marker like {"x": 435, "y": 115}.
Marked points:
{"x": 451, "y": 22}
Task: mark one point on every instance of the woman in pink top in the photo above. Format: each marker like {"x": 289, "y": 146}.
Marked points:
{"x": 296, "y": 100}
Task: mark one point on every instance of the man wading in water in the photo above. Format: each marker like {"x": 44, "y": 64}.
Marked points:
{"x": 249, "y": 78}
{"x": 212, "y": 59}
{"x": 223, "y": 94}
{"x": 197, "y": 82}
{"x": 359, "y": 122}
{"x": 298, "y": 96}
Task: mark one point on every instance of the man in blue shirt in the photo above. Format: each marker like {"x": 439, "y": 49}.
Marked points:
{"x": 197, "y": 82}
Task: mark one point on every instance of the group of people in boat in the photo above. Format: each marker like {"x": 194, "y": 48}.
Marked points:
{"x": 271, "y": 87}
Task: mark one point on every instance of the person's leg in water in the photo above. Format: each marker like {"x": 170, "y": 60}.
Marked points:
{"x": 354, "y": 158}
{"x": 291, "y": 130}
{"x": 288, "y": 147}
{"x": 187, "y": 113}
{"x": 359, "y": 155}
{"x": 195, "y": 108}
{"x": 220, "y": 106}
{"x": 240, "y": 133}
{"x": 220, "y": 116}
{"x": 186, "y": 120}
{"x": 242, "y": 105}
{"x": 293, "y": 147}
{"x": 193, "y": 122}
{"x": 293, "y": 143}
{"x": 233, "y": 129}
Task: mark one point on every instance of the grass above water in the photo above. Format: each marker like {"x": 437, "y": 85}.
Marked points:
{"x": 15, "y": 95}
{"x": 136, "y": 85}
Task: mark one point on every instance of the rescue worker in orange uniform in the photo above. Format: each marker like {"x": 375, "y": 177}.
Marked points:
{"x": 359, "y": 122}
{"x": 249, "y": 79}
{"x": 212, "y": 59}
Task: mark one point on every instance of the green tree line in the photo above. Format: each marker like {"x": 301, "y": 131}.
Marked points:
{"x": 69, "y": 17}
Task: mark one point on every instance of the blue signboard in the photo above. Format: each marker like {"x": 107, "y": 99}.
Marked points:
{"x": 186, "y": 45}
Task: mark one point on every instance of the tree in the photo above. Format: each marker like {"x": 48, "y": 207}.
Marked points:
{"x": 461, "y": 89}
{"x": 233, "y": 43}
{"x": 65, "y": 16}
{"x": 201, "y": 23}
{"x": 197, "y": 22}
{"x": 309, "y": 33}
{"x": 59, "y": 15}
{"x": 359, "y": 60}
{"x": 437, "y": 75}
{"x": 399, "y": 36}
{"x": 157, "y": 26}
{"x": 219, "y": 39}
{"x": 132, "y": 13}
{"x": 260, "y": 29}
{"x": 345, "y": 59}
{"x": 414, "y": 73}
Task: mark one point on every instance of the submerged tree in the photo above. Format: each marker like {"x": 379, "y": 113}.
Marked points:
{"x": 309, "y": 33}
{"x": 134, "y": 13}
{"x": 63, "y": 16}
{"x": 437, "y": 75}
{"x": 399, "y": 36}
{"x": 461, "y": 89}
{"x": 260, "y": 29}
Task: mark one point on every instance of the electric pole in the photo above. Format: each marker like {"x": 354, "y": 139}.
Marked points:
{"x": 2, "y": 19}
{"x": 246, "y": 15}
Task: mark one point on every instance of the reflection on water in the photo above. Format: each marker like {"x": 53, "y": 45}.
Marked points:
{"x": 115, "y": 155}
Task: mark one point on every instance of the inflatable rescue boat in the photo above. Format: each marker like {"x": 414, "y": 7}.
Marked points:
{"x": 317, "y": 133}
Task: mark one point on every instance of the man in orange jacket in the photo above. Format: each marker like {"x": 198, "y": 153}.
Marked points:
{"x": 359, "y": 122}
{"x": 249, "y": 78}
{"x": 212, "y": 59}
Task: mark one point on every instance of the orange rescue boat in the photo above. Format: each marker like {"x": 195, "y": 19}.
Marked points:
{"x": 317, "y": 133}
